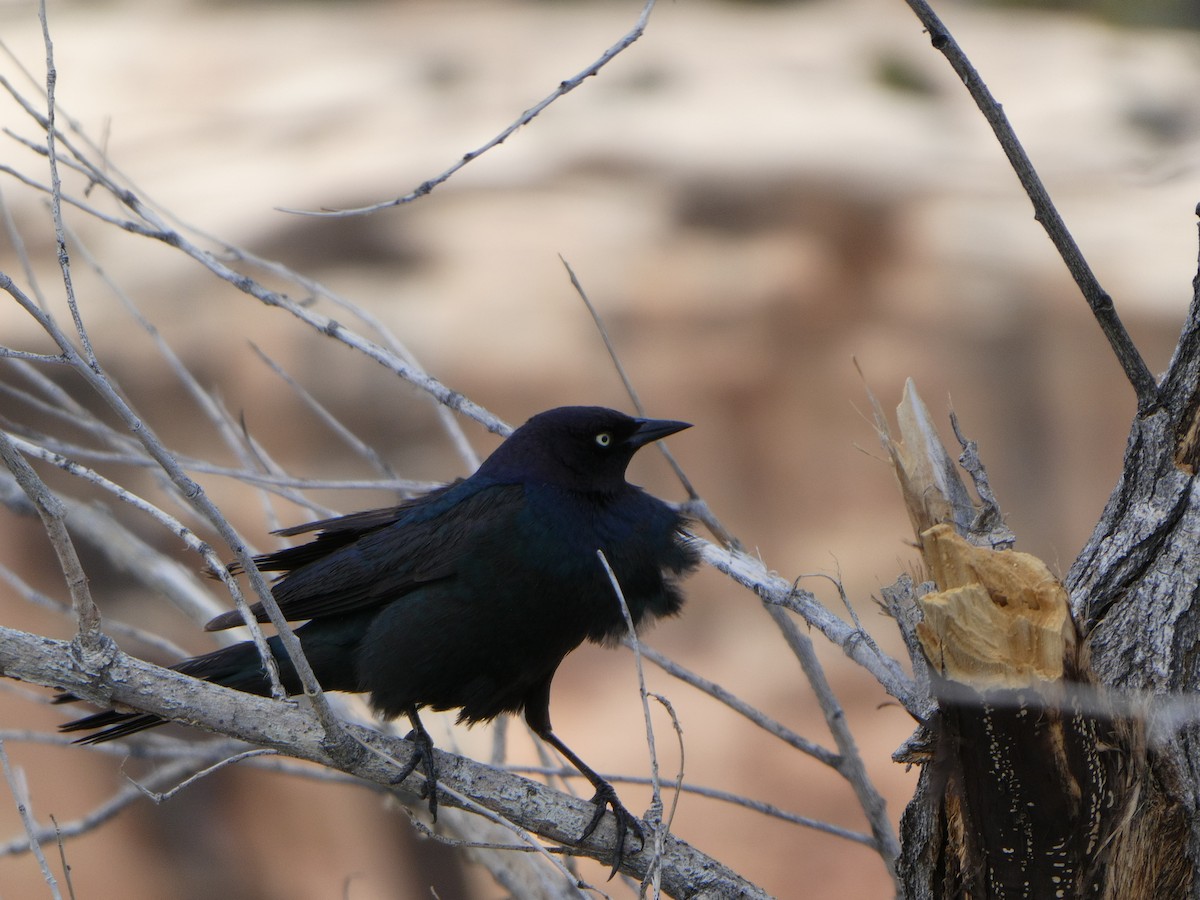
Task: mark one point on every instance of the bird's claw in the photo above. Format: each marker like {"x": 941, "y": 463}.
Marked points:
{"x": 423, "y": 756}
{"x": 604, "y": 799}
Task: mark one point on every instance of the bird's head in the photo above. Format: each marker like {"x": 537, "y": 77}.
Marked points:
{"x": 583, "y": 448}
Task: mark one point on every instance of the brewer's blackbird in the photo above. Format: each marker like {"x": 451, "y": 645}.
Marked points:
{"x": 470, "y": 596}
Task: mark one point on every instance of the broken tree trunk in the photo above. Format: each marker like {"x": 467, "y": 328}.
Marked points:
{"x": 1058, "y": 758}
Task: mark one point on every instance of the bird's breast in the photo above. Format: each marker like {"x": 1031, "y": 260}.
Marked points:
{"x": 638, "y": 536}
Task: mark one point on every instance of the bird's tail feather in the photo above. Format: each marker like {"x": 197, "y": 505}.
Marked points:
{"x": 237, "y": 666}
{"x": 328, "y": 646}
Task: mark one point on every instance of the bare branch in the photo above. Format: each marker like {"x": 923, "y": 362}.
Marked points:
{"x": 52, "y": 513}
{"x": 759, "y": 718}
{"x": 852, "y": 765}
{"x": 124, "y": 796}
{"x": 36, "y": 597}
{"x": 775, "y": 591}
{"x": 697, "y": 507}
{"x": 759, "y": 806}
{"x": 324, "y": 415}
{"x": 164, "y": 796}
{"x": 564, "y": 87}
{"x": 295, "y": 732}
{"x": 16, "y": 784}
{"x": 64, "y": 260}
{"x": 1044, "y": 211}
{"x": 654, "y": 817}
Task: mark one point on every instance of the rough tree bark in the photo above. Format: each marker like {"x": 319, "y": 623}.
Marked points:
{"x": 1079, "y": 777}
{"x": 1047, "y": 771}
{"x": 1133, "y": 587}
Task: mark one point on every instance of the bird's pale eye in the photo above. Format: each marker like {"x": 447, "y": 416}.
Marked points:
{"x": 603, "y": 438}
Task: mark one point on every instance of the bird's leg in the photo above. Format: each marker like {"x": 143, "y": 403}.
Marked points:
{"x": 422, "y": 754}
{"x": 604, "y": 798}
{"x": 537, "y": 714}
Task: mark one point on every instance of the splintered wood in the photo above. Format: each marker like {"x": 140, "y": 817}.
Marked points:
{"x": 1033, "y": 786}
{"x": 929, "y": 482}
{"x": 999, "y": 618}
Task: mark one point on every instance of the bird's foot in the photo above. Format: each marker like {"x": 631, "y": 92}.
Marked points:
{"x": 606, "y": 798}
{"x": 422, "y": 756}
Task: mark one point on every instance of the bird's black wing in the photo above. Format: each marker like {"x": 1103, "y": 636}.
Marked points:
{"x": 371, "y": 558}
{"x": 338, "y": 531}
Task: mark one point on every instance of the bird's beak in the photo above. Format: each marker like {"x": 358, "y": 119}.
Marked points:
{"x": 650, "y": 430}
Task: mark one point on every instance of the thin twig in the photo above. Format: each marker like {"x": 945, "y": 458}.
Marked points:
{"x": 759, "y": 806}
{"x": 123, "y": 797}
{"x": 62, "y": 857}
{"x": 446, "y": 415}
{"x": 277, "y": 483}
{"x": 52, "y": 513}
{"x": 867, "y": 638}
{"x": 564, "y": 87}
{"x": 677, "y": 788}
{"x": 654, "y": 817}
{"x": 28, "y": 356}
{"x": 37, "y": 598}
{"x": 326, "y": 417}
{"x": 16, "y": 784}
{"x": 1097, "y": 298}
{"x": 852, "y": 766}
{"x": 17, "y": 242}
{"x": 759, "y": 718}
{"x": 164, "y": 796}
{"x": 60, "y": 237}
{"x": 59, "y": 403}
{"x": 697, "y": 507}
{"x": 775, "y": 591}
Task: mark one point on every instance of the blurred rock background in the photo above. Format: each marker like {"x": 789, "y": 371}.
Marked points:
{"x": 754, "y": 195}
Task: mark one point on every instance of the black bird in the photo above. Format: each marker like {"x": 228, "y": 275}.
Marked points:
{"x": 470, "y": 596}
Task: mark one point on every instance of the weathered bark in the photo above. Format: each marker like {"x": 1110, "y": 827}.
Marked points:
{"x": 1078, "y": 783}
{"x": 294, "y": 731}
{"x": 1133, "y": 591}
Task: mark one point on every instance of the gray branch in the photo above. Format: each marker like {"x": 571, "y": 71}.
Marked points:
{"x": 294, "y": 731}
